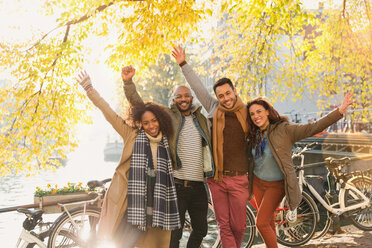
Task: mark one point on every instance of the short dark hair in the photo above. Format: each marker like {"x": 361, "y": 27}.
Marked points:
{"x": 165, "y": 121}
{"x": 222, "y": 81}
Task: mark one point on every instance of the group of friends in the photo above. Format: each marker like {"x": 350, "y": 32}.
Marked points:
{"x": 171, "y": 153}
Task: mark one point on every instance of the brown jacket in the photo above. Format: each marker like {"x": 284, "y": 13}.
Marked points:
{"x": 115, "y": 202}
{"x": 281, "y": 137}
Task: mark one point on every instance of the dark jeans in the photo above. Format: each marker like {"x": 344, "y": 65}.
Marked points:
{"x": 194, "y": 199}
{"x": 127, "y": 235}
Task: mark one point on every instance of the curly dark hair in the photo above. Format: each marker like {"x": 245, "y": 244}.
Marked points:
{"x": 165, "y": 121}
{"x": 274, "y": 116}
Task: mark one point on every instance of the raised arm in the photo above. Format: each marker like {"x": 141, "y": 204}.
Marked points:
{"x": 130, "y": 90}
{"x": 307, "y": 130}
{"x": 204, "y": 97}
{"x": 111, "y": 116}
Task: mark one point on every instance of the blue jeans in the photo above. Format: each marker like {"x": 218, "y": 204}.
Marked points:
{"x": 193, "y": 199}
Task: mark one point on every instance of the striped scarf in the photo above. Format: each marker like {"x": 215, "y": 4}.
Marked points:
{"x": 152, "y": 198}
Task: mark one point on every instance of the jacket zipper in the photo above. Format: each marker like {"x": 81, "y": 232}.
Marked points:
{"x": 281, "y": 164}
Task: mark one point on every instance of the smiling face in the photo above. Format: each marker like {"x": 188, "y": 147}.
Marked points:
{"x": 226, "y": 95}
{"x": 150, "y": 123}
{"x": 183, "y": 99}
{"x": 259, "y": 116}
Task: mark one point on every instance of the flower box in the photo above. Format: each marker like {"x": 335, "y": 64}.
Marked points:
{"x": 49, "y": 203}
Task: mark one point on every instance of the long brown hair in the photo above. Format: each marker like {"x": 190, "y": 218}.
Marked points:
{"x": 274, "y": 116}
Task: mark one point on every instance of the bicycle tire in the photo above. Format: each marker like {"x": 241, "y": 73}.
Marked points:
{"x": 65, "y": 234}
{"x": 360, "y": 218}
{"x": 212, "y": 239}
{"x": 250, "y": 230}
{"x": 325, "y": 220}
{"x": 302, "y": 230}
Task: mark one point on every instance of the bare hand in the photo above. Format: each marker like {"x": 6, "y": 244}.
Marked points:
{"x": 179, "y": 54}
{"x": 127, "y": 72}
{"x": 346, "y": 103}
{"x": 84, "y": 80}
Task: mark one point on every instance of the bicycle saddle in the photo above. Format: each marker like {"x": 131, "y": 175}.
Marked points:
{"x": 30, "y": 212}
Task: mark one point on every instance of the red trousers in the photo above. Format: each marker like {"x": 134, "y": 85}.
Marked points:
{"x": 229, "y": 201}
{"x": 268, "y": 195}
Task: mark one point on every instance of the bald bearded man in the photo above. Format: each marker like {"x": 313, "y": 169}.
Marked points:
{"x": 190, "y": 148}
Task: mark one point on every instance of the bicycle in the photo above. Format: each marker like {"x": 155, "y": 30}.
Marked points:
{"x": 78, "y": 227}
{"x": 54, "y": 231}
{"x": 29, "y": 236}
{"x": 360, "y": 217}
{"x": 359, "y": 179}
{"x": 349, "y": 201}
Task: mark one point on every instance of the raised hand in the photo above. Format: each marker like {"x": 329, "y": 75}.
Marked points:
{"x": 179, "y": 54}
{"x": 346, "y": 103}
{"x": 84, "y": 80}
{"x": 127, "y": 72}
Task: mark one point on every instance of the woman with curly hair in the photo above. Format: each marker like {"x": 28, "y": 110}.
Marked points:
{"x": 273, "y": 176}
{"x": 140, "y": 207}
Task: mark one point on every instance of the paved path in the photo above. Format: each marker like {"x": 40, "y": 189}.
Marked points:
{"x": 352, "y": 237}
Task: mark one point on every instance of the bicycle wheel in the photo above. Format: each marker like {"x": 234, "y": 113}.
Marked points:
{"x": 361, "y": 218}
{"x": 79, "y": 230}
{"x": 325, "y": 220}
{"x": 250, "y": 230}
{"x": 212, "y": 239}
{"x": 301, "y": 230}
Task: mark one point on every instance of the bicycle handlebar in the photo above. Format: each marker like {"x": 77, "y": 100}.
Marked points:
{"x": 306, "y": 148}
{"x": 309, "y": 146}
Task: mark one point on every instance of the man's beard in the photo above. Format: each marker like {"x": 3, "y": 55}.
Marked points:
{"x": 184, "y": 110}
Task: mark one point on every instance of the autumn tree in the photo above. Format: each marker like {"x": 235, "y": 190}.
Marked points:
{"x": 41, "y": 103}
{"x": 281, "y": 50}
{"x": 274, "y": 48}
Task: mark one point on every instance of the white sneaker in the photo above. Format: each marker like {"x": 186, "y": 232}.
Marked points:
{"x": 292, "y": 216}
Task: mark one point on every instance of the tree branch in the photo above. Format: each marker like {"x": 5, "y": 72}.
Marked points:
{"x": 343, "y": 8}
{"x": 76, "y": 21}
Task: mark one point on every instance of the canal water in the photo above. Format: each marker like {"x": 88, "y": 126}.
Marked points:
{"x": 85, "y": 164}
{"x": 18, "y": 190}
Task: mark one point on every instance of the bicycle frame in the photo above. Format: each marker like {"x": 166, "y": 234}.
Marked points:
{"x": 65, "y": 209}
{"x": 341, "y": 195}
{"x": 29, "y": 238}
